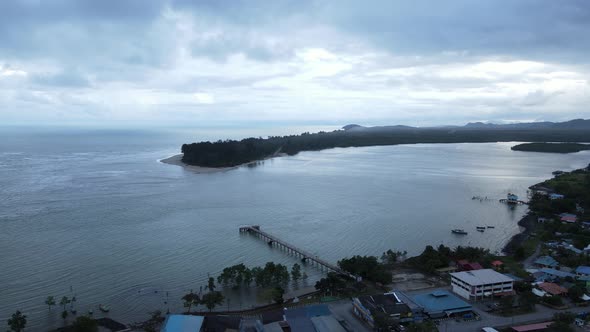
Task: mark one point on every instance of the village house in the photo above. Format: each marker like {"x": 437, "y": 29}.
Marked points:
{"x": 546, "y": 261}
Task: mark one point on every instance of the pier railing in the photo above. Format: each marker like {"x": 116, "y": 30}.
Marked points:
{"x": 306, "y": 256}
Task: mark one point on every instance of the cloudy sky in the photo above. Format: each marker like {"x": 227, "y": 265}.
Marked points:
{"x": 217, "y": 62}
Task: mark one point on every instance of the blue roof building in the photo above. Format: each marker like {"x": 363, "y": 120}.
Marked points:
{"x": 547, "y": 274}
{"x": 546, "y": 261}
{"x": 440, "y": 303}
{"x": 583, "y": 270}
{"x": 182, "y": 323}
{"x": 299, "y": 319}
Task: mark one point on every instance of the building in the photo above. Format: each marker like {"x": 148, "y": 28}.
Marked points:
{"x": 497, "y": 265}
{"x": 556, "y": 196}
{"x": 182, "y": 323}
{"x": 568, "y": 217}
{"x": 465, "y": 265}
{"x": 546, "y": 274}
{"x": 532, "y": 327}
{"x": 478, "y": 284}
{"x": 300, "y": 319}
{"x": 440, "y": 304}
{"x": 583, "y": 271}
{"x": 546, "y": 261}
{"x": 390, "y": 304}
{"x": 551, "y": 288}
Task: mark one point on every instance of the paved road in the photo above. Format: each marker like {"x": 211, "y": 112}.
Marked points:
{"x": 528, "y": 262}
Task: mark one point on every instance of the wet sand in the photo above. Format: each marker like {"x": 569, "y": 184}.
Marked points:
{"x": 177, "y": 160}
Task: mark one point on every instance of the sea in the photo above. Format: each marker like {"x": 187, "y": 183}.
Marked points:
{"x": 92, "y": 213}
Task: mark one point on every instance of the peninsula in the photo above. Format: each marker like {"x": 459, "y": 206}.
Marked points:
{"x": 551, "y": 147}
{"x": 231, "y": 153}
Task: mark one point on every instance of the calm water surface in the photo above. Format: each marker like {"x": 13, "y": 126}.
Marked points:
{"x": 94, "y": 214}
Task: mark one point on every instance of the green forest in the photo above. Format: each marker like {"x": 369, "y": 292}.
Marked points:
{"x": 228, "y": 153}
{"x": 551, "y": 147}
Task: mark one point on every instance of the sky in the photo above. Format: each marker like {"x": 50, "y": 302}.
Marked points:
{"x": 250, "y": 62}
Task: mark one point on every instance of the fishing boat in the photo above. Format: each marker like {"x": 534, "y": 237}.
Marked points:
{"x": 459, "y": 231}
{"x": 480, "y": 227}
{"x": 491, "y": 226}
{"x": 480, "y": 230}
{"x": 104, "y": 308}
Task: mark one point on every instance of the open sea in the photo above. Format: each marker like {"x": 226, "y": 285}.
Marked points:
{"x": 92, "y": 213}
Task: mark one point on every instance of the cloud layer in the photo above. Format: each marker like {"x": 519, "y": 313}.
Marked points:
{"x": 374, "y": 62}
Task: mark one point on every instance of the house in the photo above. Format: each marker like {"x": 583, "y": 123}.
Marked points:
{"x": 546, "y": 261}
{"x": 440, "y": 303}
{"x": 300, "y": 319}
{"x": 583, "y": 271}
{"x": 219, "y": 323}
{"x": 556, "y": 196}
{"x": 568, "y": 217}
{"x": 182, "y": 323}
{"x": 552, "y": 288}
{"x": 532, "y": 327}
{"x": 497, "y": 264}
{"x": 465, "y": 265}
{"x": 481, "y": 283}
{"x": 390, "y": 304}
{"x": 547, "y": 274}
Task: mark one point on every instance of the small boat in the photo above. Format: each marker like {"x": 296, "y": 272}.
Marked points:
{"x": 480, "y": 230}
{"x": 104, "y": 308}
{"x": 90, "y": 312}
{"x": 491, "y": 226}
{"x": 459, "y": 231}
{"x": 480, "y": 227}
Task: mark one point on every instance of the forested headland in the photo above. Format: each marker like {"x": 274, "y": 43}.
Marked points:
{"x": 551, "y": 147}
{"x": 230, "y": 153}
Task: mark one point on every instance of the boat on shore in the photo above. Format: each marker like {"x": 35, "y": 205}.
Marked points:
{"x": 104, "y": 308}
{"x": 458, "y": 231}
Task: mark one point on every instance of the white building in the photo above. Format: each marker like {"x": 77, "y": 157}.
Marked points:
{"x": 477, "y": 284}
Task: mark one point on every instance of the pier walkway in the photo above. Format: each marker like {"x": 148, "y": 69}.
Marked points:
{"x": 305, "y": 255}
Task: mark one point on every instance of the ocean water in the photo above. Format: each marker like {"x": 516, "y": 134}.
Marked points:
{"x": 93, "y": 213}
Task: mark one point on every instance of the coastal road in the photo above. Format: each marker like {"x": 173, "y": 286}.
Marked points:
{"x": 528, "y": 262}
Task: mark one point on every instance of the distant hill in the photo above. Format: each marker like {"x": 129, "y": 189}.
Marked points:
{"x": 572, "y": 124}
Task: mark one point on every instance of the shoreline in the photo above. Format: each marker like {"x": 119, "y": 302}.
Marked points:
{"x": 526, "y": 222}
{"x": 177, "y": 161}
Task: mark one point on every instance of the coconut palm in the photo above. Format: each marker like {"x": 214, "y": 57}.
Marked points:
{"x": 18, "y": 322}
{"x": 50, "y": 300}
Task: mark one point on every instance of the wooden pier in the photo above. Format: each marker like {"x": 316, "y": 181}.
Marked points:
{"x": 504, "y": 200}
{"x": 306, "y": 257}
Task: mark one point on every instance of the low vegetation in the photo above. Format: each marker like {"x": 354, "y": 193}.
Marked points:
{"x": 551, "y": 147}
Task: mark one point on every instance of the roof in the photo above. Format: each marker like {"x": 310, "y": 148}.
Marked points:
{"x": 408, "y": 301}
{"x": 326, "y": 324}
{"x": 532, "y": 327}
{"x": 387, "y": 303}
{"x": 308, "y": 311}
{"x": 497, "y": 263}
{"x": 220, "y": 323}
{"x": 551, "y": 288}
{"x": 474, "y": 266}
{"x": 546, "y": 260}
{"x": 440, "y": 301}
{"x": 182, "y": 323}
{"x": 556, "y": 273}
{"x": 513, "y": 277}
{"x": 481, "y": 277}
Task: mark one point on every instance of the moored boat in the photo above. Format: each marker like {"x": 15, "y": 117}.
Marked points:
{"x": 459, "y": 231}
{"x": 104, "y": 308}
{"x": 480, "y": 227}
{"x": 491, "y": 226}
{"x": 480, "y": 230}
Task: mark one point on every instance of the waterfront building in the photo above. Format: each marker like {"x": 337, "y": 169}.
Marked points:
{"x": 390, "y": 304}
{"x": 546, "y": 261}
{"x": 477, "y": 284}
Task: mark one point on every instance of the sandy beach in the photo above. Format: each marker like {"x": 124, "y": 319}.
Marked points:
{"x": 177, "y": 160}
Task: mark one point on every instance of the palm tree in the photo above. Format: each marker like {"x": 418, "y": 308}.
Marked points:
{"x": 50, "y": 300}
{"x": 212, "y": 299}
{"x": 190, "y": 299}
{"x": 211, "y": 284}
{"x": 64, "y": 301}
{"x": 18, "y": 321}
